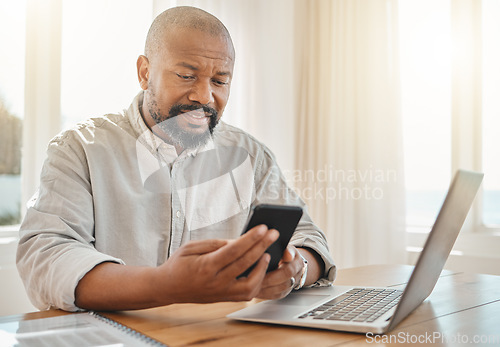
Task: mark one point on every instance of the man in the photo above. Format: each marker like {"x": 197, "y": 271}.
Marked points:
{"x": 145, "y": 208}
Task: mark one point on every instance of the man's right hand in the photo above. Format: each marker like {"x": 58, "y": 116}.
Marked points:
{"x": 199, "y": 271}
{"x": 207, "y": 271}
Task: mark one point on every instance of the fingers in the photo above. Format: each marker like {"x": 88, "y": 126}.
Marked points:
{"x": 291, "y": 264}
{"x": 282, "y": 275}
{"x": 203, "y": 246}
{"x": 277, "y": 291}
{"x": 289, "y": 254}
{"x": 277, "y": 284}
{"x": 217, "y": 263}
{"x": 240, "y": 254}
{"x": 247, "y": 288}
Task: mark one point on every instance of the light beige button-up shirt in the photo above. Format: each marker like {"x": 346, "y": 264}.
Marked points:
{"x": 111, "y": 190}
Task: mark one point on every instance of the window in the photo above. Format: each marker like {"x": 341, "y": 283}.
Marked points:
{"x": 450, "y": 76}
{"x": 12, "y": 39}
{"x": 491, "y": 113}
{"x": 101, "y": 41}
{"x": 426, "y": 69}
{"x": 426, "y": 92}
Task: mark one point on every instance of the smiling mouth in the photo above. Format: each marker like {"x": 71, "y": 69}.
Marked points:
{"x": 196, "y": 118}
{"x": 198, "y": 113}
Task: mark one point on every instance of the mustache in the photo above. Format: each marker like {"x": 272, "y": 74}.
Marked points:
{"x": 177, "y": 109}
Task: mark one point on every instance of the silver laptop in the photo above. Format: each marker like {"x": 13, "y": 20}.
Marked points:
{"x": 371, "y": 309}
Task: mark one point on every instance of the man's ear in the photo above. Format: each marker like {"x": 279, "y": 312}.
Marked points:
{"x": 143, "y": 71}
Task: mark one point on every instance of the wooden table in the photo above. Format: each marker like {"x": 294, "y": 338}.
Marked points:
{"x": 463, "y": 309}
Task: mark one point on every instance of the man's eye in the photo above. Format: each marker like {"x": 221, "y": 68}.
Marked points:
{"x": 220, "y": 83}
{"x": 185, "y": 77}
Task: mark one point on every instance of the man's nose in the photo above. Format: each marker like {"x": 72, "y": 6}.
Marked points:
{"x": 202, "y": 92}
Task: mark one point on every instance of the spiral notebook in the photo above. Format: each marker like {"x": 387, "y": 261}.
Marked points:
{"x": 79, "y": 329}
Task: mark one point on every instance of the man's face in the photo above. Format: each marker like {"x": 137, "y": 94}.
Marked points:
{"x": 187, "y": 88}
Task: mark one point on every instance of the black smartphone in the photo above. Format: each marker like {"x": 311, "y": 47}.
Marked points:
{"x": 280, "y": 217}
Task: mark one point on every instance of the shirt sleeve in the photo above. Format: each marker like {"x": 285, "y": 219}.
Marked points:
{"x": 271, "y": 187}
{"x": 56, "y": 246}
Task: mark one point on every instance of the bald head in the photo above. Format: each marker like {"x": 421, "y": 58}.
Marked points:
{"x": 183, "y": 17}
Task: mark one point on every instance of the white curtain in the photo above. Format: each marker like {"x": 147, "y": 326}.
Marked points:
{"x": 349, "y": 138}
{"x": 317, "y": 81}
{"x": 466, "y": 93}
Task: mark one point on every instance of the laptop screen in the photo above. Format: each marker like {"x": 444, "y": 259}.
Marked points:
{"x": 439, "y": 243}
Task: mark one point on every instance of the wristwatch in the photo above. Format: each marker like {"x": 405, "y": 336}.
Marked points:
{"x": 303, "y": 274}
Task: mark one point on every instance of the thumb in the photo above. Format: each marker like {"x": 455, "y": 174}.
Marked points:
{"x": 289, "y": 254}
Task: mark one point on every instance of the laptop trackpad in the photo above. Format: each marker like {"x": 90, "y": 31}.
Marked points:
{"x": 298, "y": 299}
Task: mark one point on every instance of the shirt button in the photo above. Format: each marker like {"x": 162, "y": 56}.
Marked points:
{"x": 178, "y": 214}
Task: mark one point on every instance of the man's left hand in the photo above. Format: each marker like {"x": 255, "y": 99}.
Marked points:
{"x": 278, "y": 283}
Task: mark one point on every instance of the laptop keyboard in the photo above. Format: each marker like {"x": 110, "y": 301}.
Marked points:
{"x": 357, "y": 305}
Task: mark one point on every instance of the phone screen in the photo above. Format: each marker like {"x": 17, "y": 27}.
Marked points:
{"x": 280, "y": 217}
